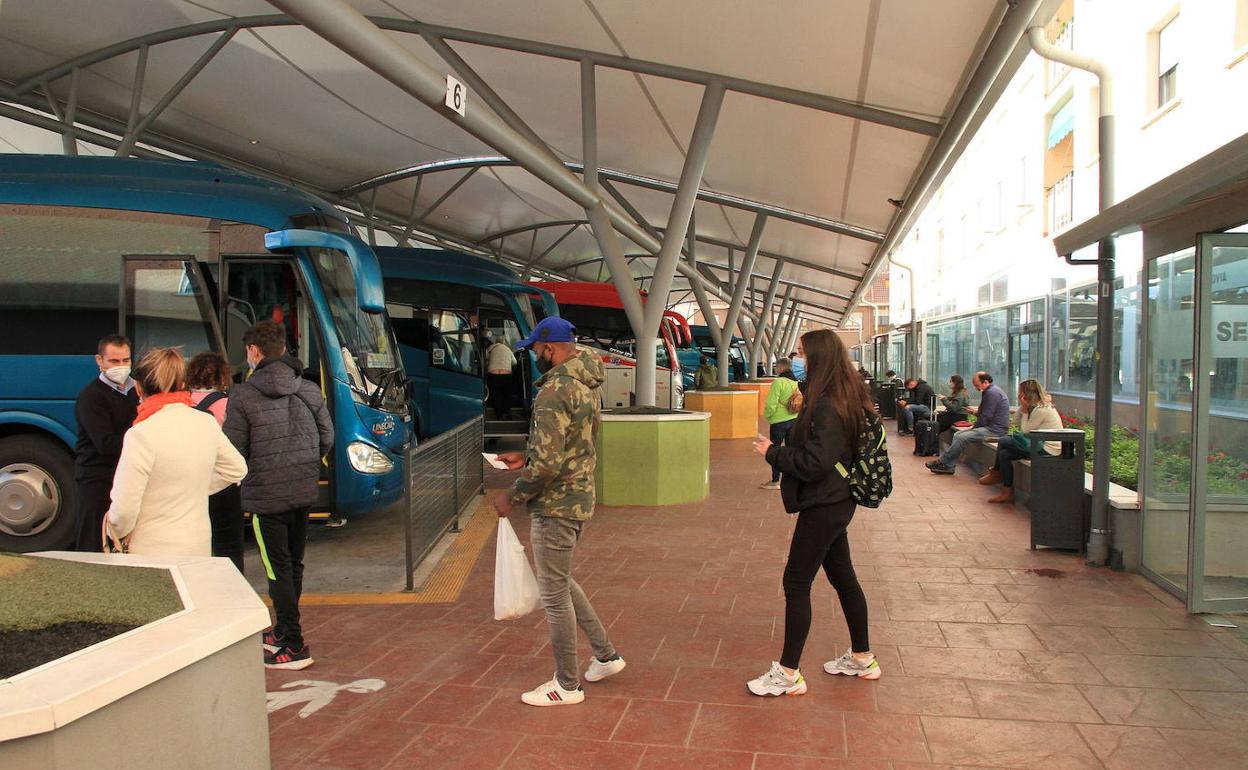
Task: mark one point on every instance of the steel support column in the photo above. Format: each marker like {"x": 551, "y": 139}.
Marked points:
{"x": 677, "y": 223}
{"x": 600, "y": 221}
{"x": 724, "y": 339}
{"x": 764, "y": 314}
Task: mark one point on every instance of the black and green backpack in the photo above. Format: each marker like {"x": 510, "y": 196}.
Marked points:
{"x": 870, "y": 474}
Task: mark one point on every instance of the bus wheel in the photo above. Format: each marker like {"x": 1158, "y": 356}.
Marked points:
{"x": 38, "y": 509}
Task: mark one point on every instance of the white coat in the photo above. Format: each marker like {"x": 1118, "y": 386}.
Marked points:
{"x": 169, "y": 464}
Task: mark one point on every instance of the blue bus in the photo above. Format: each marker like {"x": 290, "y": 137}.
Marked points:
{"x": 188, "y": 254}
{"x": 446, "y": 308}
{"x": 703, "y": 344}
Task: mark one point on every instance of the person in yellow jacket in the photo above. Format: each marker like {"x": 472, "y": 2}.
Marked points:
{"x": 776, "y": 410}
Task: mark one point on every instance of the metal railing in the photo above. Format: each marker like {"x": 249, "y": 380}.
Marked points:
{"x": 1056, "y": 72}
{"x": 444, "y": 475}
{"x": 1059, "y": 200}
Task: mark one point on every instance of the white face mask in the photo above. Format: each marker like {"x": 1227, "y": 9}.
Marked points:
{"x": 118, "y": 374}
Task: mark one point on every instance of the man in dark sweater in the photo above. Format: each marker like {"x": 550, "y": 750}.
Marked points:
{"x": 105, "y": 408}
{"x": 917, "y": 405}
{"x": 278, "y": 421}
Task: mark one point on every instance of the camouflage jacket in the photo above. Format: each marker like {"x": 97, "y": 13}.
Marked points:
{"x": 558, "y": 476}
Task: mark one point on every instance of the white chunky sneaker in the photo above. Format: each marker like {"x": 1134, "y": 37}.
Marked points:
{"x": 776, "y": 682}
{"x": 849, "y": 666}
{"x": 598, "y": 670}
{"x": 551, "y": 694}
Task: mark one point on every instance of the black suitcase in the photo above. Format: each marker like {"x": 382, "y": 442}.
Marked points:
{"x": 926, "y": 438}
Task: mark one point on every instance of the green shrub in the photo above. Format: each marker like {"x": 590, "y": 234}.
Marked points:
{"x": 1172, "y": 462}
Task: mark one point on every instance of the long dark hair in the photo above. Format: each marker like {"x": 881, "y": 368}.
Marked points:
{"x": 830, "y": 377}
{"x": 959, "y": 385}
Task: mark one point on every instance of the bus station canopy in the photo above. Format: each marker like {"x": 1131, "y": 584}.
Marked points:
{"x": 838, "y": 121}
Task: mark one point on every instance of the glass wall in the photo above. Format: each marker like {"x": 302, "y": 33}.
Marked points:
{"x": 967, "y": 345}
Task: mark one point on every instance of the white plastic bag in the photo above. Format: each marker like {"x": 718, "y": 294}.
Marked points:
{"x": 515, "y": 585}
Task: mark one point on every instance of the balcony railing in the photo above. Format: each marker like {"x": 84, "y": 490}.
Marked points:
{"x": 1056, "y": 72}
{"x": 1059, "y": 201}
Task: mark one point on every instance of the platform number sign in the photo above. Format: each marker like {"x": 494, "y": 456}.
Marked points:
{"x": 456, "y": 95}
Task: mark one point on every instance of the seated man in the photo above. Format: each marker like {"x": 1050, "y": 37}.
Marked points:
{"x": 916, "y": 406}
{"x": 993, "y": 422}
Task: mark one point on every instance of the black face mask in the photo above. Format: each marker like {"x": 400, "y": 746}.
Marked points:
{"x": 544, "y": 364}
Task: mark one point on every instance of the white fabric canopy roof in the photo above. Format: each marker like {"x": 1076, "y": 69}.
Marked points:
{"x": 283, "y": 101}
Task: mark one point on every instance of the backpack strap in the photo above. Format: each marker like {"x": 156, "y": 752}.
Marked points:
{"x": 205, "y": 405}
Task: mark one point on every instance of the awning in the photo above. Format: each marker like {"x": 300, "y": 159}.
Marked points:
{"x": 1063, "y": 123}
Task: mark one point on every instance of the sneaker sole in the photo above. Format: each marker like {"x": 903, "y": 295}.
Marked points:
{"x": 544, "y": 703}
{"x": 623, "y": 665}
{"x": 787, "y": 693}
{"x": 294, "y": 665}
{"x": 864, "y": 675}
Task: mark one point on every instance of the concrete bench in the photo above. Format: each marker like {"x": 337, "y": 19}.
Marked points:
{"x": 1124, "y": 504}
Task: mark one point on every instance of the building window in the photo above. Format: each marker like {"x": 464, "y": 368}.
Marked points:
{"x": 1168, "y": 63}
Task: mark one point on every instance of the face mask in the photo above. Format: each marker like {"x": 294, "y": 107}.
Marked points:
{"x": 798, "y": 365}
{"x": 118, "y": 374}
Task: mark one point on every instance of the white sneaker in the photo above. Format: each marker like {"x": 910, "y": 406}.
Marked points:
{"x": 776, "y": 682}
{"x": 847, "y": 665}
{"x": 769, "y": 485}
{"x": 551, "y": 694}
{"x": 598, "y": 671}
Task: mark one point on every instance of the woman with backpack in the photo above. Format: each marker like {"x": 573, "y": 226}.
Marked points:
{"x": 837, "y": 409}
{"x": 208, "y": 376}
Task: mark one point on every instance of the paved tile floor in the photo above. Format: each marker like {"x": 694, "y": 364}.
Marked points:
{"x": 993, "y": 655}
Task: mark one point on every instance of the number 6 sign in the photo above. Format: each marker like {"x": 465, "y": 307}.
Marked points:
{"x": 456, "y": 95}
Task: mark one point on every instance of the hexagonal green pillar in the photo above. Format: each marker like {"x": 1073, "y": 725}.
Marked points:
{"x": 653, "y": 459}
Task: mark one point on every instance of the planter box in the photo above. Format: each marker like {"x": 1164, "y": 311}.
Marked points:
{"x": 658, "y": 459}
{"x": 185, "y": 691}
{"x": 734, "y": 413}
{"x": 762, "y": 386}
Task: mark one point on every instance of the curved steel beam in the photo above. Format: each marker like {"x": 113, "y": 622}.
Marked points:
{"x": 530, "y": 228}
{"x": 636, "y": 180}
{"x": 808, "y": 99}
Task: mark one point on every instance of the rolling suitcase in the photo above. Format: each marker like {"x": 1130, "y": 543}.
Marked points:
{"x": 926, "y": 438}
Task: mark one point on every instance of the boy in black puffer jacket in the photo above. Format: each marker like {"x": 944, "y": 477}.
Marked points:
{"x": 278, "y": 421}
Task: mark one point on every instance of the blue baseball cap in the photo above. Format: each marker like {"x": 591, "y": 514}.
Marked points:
{"x": 549, "y": 329}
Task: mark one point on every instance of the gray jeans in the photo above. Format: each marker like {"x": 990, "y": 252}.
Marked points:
{"x": 960, "y": 440}
{"x": 553, "y": 540}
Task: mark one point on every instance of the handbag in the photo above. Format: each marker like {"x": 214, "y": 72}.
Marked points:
{"x": 1017, "y": 441}
{"x": 794, "y": 404}
{"x": 109, "y": 544}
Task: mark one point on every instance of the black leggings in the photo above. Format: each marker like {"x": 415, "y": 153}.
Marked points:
{"x": 819, "y": 540}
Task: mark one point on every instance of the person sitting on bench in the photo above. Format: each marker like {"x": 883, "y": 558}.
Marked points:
{"x": 1035, "y": 412}
{"x": 993, "y": 420}
{"x": 916, "y": 406}
{"x": 955, "y": 404}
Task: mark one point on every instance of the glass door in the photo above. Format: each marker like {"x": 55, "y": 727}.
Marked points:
{"x": 1167, "y": 454}
{"x": 1218, "y": 564}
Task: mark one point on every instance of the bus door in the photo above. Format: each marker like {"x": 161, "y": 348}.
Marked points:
{"x": 166, "y": 302}
{"x": 258, "y": 287}
{"x": 498, "y": 323}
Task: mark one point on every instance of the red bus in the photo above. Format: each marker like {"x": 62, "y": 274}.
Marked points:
{"x": 598, "y": 314}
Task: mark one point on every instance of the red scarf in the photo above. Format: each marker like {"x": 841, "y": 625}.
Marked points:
{"x": 153, "y": 404}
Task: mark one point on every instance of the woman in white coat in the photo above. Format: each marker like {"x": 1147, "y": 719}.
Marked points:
{"x": 172, "y": 459}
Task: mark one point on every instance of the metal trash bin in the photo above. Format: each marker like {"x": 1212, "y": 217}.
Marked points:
{"x": 1058, "y": 519}
{"x": 886, "y": 399}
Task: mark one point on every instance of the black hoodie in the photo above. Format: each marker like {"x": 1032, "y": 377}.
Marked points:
{"x": 922, "y": 394}
{"x": 279, "y": 423}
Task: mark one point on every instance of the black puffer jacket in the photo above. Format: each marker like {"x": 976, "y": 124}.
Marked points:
{"x": 808, "y": 463}
{"x": 279, "y": 423}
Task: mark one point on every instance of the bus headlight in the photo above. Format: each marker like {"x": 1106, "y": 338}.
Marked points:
{"x": 368, "y": 459}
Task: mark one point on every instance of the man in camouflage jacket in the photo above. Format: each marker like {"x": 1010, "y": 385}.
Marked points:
{"x": 557, "y": 484}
